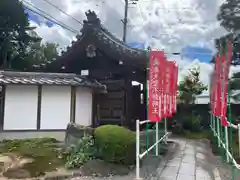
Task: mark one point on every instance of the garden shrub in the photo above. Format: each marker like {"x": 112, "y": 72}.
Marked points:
{"x": 115, "y": 144}
{"x": 196, "y": 124}
{"x": 80, "y": 153}
{"x": 192, "y": 122}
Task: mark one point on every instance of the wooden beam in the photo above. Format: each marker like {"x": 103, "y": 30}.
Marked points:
{"x": 73, "y": 105}
{"x": 39, "y": 107}
{"x": 2, "y": 108}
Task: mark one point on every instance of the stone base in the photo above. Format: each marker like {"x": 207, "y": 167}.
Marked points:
{"x": 75, "y": 132}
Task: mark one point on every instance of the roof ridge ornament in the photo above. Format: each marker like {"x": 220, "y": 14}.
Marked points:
{"x": 92, "y": 18}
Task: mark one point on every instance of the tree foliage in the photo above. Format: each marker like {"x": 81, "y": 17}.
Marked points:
{"x": 229, "y": 15}
{"x": 14, "y": 32}
{"x": 20, "y": 46}
{"x": 190, "y": 87}
{"x": 229, "y": 19}
{"x": 235, "y": 81}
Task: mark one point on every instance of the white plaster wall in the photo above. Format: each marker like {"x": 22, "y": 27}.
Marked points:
{"x": 55, "y": 107}
{"x": 83, "y": 113}
{"x": 20, "y": 107}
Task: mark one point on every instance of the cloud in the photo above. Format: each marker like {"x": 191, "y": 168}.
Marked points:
{"x": 170, "y": 25}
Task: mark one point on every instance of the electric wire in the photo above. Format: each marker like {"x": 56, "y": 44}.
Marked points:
{"x": 48, "y": 17}
{"x": 56, "y": 7}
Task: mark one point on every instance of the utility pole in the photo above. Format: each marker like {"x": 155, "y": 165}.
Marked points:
{"x": 125, "y": 20}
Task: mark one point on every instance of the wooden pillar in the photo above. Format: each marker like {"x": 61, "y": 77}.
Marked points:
{"x": 73, "y": 104}
{"x": 95, "y": 110}
{"x": 145, "y": 100}
{"x": 128, "y": 103}
{"x": 39, "y": 107}
{"x": 2, "y": 107}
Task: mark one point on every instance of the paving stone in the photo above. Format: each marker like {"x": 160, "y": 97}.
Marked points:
{"x": 174, "y": 162}
{"x": 187, "y": 169}
{"x": 189, "y": 159}
{"x": 202, "y": 173}
{"x": 200, "y": 156}
{"x": 185, "y": 177}
{"x": 169, "y": 171}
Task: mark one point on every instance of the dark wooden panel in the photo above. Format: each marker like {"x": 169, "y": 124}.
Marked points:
{"x": 114, "y": 95}
{"x": 112, "y": 105}
{"x": 104, "y": 113}
{"x": 114, "y": 85}
{"x": 115, "y": 103}
{"x": 117, "y": 113}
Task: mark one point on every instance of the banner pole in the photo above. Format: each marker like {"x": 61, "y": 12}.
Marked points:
{"x": 147, "y": 77}
{"x": 218, "y": 131}
{"x": 157, "y": 138}
{"x": 165, "y": 129}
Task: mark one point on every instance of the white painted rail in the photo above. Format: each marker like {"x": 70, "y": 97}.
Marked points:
{"x": 225, "y": 145}
{"x": 140, "y": 155}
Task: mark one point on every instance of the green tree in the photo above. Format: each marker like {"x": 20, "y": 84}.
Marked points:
{"x": 229, "y": 15}
{"x": 234, "y": 82}
{"x": 37, "y": 57}
{"x": 229, "y": 19}
{"x": 14, "y": 33}
{"x": 190, "y": 87}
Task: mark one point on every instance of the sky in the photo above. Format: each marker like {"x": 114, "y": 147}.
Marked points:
{"x": 185, "y": 26}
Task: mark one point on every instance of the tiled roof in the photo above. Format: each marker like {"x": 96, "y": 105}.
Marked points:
{"x": 33, "y": 78}
{"x": 106, "y": 41}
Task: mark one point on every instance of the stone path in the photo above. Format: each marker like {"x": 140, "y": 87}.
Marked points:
{"x": 192, "y": 160}
{"x": 187, "y": 160}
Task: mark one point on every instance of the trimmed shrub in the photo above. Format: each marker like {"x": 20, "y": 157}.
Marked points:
{"x": 115, "y": 144}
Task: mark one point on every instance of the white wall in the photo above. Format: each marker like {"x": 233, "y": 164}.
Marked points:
{"x": 55, "y": 107}
{"x": 205, "y": 100}
{"x": 20, "y": 107}
{"x": 83, "y": 113}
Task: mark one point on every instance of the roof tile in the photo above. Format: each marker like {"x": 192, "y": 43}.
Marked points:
{"x": 10, "y": 77}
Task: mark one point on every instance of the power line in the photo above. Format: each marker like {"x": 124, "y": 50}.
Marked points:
{"x": 49, "y": 17}
{"x": 56, "y": 7}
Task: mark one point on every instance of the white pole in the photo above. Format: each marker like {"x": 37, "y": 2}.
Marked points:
{"x": 137, "y": 149}
{"x": 218, "y": 131}
{"x": 165, "y": 129}
{"x": 156, "y": 138}
{"x": 239, "y": 138}
{"x": 226, "y": 137}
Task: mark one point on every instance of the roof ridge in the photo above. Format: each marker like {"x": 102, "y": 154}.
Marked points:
{"x": 36, "y": 74}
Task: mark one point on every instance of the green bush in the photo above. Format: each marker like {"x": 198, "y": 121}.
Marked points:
{"x": 187, "y": 122}
{"x": 196, "y": 124}
{"x": 115, "y": 144}
{"x": 80, "y": 153}
{"x": 191, "y": 123}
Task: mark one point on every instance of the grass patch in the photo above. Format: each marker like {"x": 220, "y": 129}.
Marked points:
{"x": 196, "y": 135}
{"x": 44, "y": 152}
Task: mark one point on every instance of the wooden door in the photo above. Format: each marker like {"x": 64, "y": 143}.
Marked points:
{"x": 111, "y": 107}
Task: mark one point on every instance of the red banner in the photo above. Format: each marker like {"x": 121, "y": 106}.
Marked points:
{"x": 171, "y": 88}
{"x": 219, "y": 85}
{"x": 163, "y": 93}
{"x": 174, "y": 88}
{"x": 154, "y": 93}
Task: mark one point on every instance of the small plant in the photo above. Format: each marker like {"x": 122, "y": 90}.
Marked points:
{"x": 80, "y": 153}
